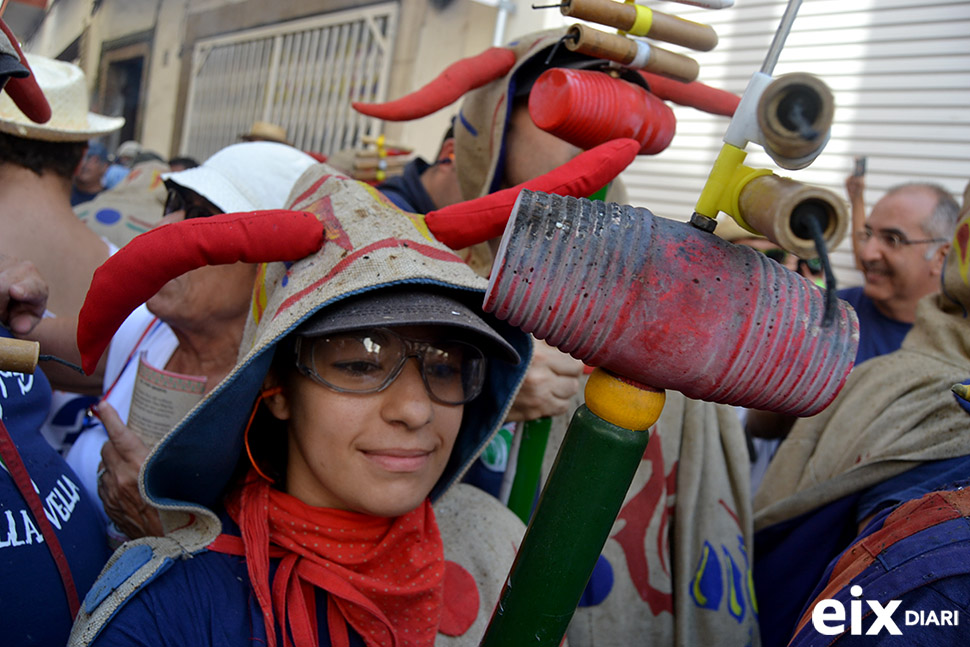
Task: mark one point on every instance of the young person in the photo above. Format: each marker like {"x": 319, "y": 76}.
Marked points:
{"x": 302, "y": 486}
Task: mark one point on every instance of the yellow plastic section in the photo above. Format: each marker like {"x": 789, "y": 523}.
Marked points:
{"x": 644, "y": 21}
{"x": 728, "y": 176}
{"x": 621, "y": 403}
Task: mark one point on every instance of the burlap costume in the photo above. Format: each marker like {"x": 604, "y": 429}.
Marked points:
{"x": 680, "y": 541}
{"x": 369, "y": 245}
{"x": 132, "y": 207}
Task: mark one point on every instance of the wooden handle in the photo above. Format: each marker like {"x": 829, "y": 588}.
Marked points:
{"x": 18, "y": 355}
{"x": 599, "y": 44}
{"x": 766, "y": 204}
{"x": 676, "y": 66}
{"x": 817, "y": 109}
{"x": 638, "y": 20}
{"x": 632, "y": 52}
{"x": 620, "y": 15}
{"x": 686, "y": 33}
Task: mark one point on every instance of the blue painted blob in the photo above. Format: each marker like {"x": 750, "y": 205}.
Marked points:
{"x": 600, "y": 584}
{"x": 107, "y": 216}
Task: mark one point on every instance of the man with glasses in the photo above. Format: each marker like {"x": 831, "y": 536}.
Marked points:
{"x": 900, "y": 251}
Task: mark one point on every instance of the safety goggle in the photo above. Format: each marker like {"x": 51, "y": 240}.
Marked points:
{"x": 370, "y": 360}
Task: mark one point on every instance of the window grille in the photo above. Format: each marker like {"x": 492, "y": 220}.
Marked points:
{"x": 300, "y": 75}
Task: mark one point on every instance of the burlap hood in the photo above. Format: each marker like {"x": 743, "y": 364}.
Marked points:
{"x": 370, "y": 244}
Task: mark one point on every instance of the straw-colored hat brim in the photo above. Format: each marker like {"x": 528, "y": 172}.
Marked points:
{"x": 66, "y": 91}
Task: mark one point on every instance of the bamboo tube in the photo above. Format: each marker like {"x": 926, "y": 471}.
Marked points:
{"x": 18, "y": 355}
{"x": 630, "y": 52}
{"x": 638, "y": 20}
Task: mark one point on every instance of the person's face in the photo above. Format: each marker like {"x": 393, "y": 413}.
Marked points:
{"x": 91, "y": 170}
{"x": 375, "y": 453}
{"x": 531, "y": 151}
{"x": 205, "y": 296}
{"x": 900, "y": 275}
{"x": 210, "y": 294}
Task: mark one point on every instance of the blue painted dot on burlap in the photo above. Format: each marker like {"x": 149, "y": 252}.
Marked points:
{"x": 107, "y": 216}
{"x": 600, "y": 584}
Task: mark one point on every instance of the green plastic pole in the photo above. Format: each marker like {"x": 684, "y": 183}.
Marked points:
{"x": 577, "y": 509}
{"x": 528, "y": 466}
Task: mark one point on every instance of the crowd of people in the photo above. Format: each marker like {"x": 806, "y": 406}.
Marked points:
{"x": 296, "y": 424}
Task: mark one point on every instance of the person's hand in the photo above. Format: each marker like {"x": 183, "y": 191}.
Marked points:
{"x": 855, "y": 186}
{"x": 23, "y": 295}
{"x": 550, "y": 383}
{"x": 121, "y": 459}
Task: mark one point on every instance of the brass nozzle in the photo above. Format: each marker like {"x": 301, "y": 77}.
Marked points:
{"x": 795, "y": 115}
{"x": 768, "y": 204}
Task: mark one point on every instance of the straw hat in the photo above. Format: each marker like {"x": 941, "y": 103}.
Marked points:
{"x": 66, "y": 91}
{"x": 265, "y": 131}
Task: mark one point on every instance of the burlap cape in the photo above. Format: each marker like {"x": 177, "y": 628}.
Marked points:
{"x": 678, "y": 552}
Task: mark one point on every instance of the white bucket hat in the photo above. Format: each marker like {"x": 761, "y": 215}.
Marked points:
{"x": 245, "y": 177}
{"x": 67, "y": 93}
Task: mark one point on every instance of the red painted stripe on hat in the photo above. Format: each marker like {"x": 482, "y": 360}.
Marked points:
{"x": 433, "y": 253}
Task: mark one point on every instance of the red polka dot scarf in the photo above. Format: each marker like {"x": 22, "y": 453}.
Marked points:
{"x": 384, "y": 576}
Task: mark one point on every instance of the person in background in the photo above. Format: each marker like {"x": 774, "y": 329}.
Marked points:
{"x": 87, "y": 181}
{"x": 329, "y": 510}
{"x": 37, "y": 168}
{"x": 132, "y": 207}
{"x": 424, "y": 187}
{"x": 900, "y": 249}
{"x": 182, "y": 163}
{"x": 53, "y": 543}
{"x": 124, "y": 159}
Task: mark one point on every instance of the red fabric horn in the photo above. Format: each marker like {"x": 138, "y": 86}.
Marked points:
{"x": 25, "y": 92}
{"x": 457, "y": 79}
{"x": 693, "y": 95}
{"x": 124, "y": 281}
{"x": 468, "y": 223}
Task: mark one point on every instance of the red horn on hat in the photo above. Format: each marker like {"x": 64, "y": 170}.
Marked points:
{"x": 25, "y": 92}
{"x": 457, "y": 79}
{"x": 122, "y": 283}
{"x": 468, "y": 223}
{"x": 693, "y": 95}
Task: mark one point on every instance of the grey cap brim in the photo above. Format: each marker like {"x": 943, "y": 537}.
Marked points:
{"x": 387, "y": 308}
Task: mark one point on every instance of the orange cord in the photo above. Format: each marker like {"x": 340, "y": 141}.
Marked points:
{"x": 262, "y": 395}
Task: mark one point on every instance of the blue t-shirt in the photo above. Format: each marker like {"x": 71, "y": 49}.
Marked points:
{"x": 35, "y": 608}
{"x": 207, "y": 600}
{"x": 878, "y": 334}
